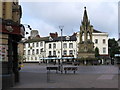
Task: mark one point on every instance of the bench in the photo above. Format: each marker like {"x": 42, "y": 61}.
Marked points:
{"x": 70, "y": 69}
{"x": 76, "y": 63}
{"x": 52, "y": 68}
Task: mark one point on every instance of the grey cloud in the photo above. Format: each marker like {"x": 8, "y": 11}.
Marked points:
{"x": 49, "y": 16}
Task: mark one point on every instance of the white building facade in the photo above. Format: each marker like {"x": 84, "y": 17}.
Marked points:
{"x": 68, "y": 44}
{"x": 35, "y": 49}
{"x": 101, "y": 41}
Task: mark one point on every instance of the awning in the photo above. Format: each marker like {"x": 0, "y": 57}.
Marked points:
{"x": 56, "y": 58}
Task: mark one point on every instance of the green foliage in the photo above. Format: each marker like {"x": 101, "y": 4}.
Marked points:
{"x": 113, "y": 47}
{"x": 97, "y": 52}
{"x": 21, "y": 58}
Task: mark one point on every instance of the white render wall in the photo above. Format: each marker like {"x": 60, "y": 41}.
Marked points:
{"x": 119, "y": 43}
{"x": 45, "y": 53}
{"x": 30, "y": 57}
{"x": 58, "y": 48}
{"x": 100, "y": 44}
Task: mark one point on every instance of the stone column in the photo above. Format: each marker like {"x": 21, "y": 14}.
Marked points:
{"x": 85, "y": 35}
{"x": 91, "y": 30}
{"x": 90, "y": 36}
{"x": 1, "y": 9}
{"x": 8, "y": 10}
{"x": 80, "y": 36}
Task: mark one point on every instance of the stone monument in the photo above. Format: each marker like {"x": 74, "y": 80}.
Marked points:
{"x": 86, "y": 46}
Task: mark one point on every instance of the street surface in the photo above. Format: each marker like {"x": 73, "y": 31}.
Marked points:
{"x": 36, "y": 76}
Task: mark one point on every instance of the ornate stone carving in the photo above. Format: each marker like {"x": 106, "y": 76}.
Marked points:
{"x": 86, "y": 46}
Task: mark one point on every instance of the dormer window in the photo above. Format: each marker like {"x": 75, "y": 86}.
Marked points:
{"x": 50, "y": 39}
{"x": 67, "y": 38}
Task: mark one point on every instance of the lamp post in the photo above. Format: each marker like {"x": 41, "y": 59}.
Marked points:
{"x": 60, "y": 64}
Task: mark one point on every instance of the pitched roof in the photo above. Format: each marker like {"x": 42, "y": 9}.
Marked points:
{"x": 71, "y": 38}
{"x": 96, "y": 31}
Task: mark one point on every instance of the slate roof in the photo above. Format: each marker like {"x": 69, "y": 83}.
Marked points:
{"x": 72, "y": 38}
{"x": 46, "y": 39}
{"x": 96, "y": 31}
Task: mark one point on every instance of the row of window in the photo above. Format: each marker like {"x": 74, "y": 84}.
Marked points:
{"x": 54, "y": 52}
{"x": 32, "y": 58}
{"x": 33, "y": 44}
{"x": 33, "y": 51}
{"x": 96, "y": 41}
{"x": 70, "y": 52}
{"x": 64, "y": 52}
{"x": 64, "y": 45}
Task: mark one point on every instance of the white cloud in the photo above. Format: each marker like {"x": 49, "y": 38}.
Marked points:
{"x": 47, "y": 16}
{"x": 69, "y": 0}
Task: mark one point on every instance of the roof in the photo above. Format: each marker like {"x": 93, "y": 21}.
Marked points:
{"x": 119, "y": 39}
{"x": 71, "y": 38}
{"x": 37, "y": 39}
{"x": 96, "y": 31}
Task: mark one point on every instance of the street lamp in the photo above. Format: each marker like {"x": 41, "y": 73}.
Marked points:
{"x": 60, "y": 65}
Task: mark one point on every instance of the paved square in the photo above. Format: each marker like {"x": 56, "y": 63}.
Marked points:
{"x": 35, "y": 76}
{"x": 103, "y": 77}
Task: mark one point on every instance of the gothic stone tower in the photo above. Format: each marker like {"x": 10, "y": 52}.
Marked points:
{"x": 86, "y": 46}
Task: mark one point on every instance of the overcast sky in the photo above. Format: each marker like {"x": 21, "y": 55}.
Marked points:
{"x": 48, "y": 16}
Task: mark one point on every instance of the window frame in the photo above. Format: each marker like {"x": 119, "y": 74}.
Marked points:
{"x": 50, "y": 46}
{"x": 28, "y": 52}
{"x": 50, "y": 53}
{"x": 64, "y": 45}
{"x": 33, "y": 52}
{"x": 96, "y": 41}
{"x": 65, "y": 52}
{"x": 104, "y": 50}
{"x": 70, "y": 52}
{"x": 54, "y": 45}
{"x": 70, "y": 45}
{"x": 54, "y": 53}
{"x": 37, "y": 44}
{"x": 41, "y": 44}
{"x": 104, "y": 41}
{"x": 37, "y": 51}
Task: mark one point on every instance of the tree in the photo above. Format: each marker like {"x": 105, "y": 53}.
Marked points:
{"x": 113, "y": 47}
{"x": 97, "y": 52}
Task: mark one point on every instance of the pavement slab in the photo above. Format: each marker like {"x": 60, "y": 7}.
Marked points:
{"x": 36, "y": 76}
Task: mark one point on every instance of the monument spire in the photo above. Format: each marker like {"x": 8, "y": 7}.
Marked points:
{"x": 85, "y": 17}
{"x": 86, "y": 46}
